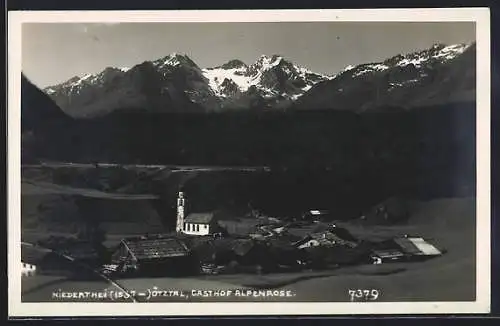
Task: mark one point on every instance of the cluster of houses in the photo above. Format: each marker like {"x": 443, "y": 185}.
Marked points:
{"x": 208, "y": 243}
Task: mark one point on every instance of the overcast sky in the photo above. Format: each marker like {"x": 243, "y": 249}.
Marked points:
{"x": 55, "y": 52}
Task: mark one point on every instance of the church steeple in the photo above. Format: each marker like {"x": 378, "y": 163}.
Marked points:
{"x": 180, "y": 212}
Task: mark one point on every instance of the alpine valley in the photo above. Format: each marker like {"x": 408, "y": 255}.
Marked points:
{"x": 410, "y": 116}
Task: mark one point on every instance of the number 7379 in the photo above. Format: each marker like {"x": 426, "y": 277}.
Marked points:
{"x": 364, "y": 294}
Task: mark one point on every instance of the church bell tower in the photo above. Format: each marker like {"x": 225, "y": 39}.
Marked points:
{"x": 180, "y": 212}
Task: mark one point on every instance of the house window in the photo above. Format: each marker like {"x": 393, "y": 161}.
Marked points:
{"x": 197, "y": 228}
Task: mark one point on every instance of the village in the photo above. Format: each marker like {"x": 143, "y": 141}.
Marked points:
{"x": 214, "y": 243}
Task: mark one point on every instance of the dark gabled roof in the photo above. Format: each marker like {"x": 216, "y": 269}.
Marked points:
{"x": 156, "y": 247}
{"x": 280, "y": 244}
{"x": 242, "y": 246}
{"x": 200, "y": 218}
{"x": 239, "y": 247}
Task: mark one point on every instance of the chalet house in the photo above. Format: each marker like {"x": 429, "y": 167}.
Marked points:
{"x": 284, "y": 254}
{"x": 224, "y": 250}
{"x": 326, "y": 238}
{"x": 404, "y": 248}
{"x": 417, "y": 247}
{"x": 386, "y": 256}
{"x": 156, "y": 254}
{"x": 28, "y": 267}
{"x": 237, "y": 226}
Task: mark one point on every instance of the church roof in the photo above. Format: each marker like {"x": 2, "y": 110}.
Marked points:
{"x": 199, "y": 218}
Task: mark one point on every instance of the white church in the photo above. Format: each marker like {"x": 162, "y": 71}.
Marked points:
{"x": 194, "y": 223}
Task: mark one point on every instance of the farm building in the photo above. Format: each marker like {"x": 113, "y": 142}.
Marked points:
{"x": 224, "y": 250}
{"x": 322, "y": 256}
{"x": 316, "y": 214}
{"x": 153, "y": 254}
{"x": 385, "y": 256}
{"x": 417, "y": 247}
{"x": 284, "y": 254}
{"x": 237, "y": 226}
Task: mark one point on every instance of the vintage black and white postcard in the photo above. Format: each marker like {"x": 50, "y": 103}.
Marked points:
{"x": 281, "y": 162}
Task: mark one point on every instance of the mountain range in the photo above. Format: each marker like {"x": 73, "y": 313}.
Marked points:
{"x": 175, "y": 83}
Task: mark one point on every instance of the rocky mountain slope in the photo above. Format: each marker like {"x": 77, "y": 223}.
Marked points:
{"x": 176, "y": 84}
{"x": 440, "y": 74}
{"x": 41, "y": 121}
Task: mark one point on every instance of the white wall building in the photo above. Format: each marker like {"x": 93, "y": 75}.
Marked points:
{"x": 28, "y": 269}
{"x": 200, "y": 224}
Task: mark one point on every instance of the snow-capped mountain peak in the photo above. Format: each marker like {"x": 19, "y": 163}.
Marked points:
{"x": 437, "y": 74}
{"x": 175, "y": 60}
{"x": 267, "y": 62}
{"x": 77, "y": 83}
{"x": 268, "y": 75}
{"x": 436, "y": 52}
{"x": 233, "y": 64}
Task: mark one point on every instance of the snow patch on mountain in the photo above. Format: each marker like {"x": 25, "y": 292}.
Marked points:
{"x": 247, "y": 76}
{"x": 371, "y": 68}
{"x": 451, "y": 51}
{"x": 443, "y": 53}
{"x": 217, "y": 76}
